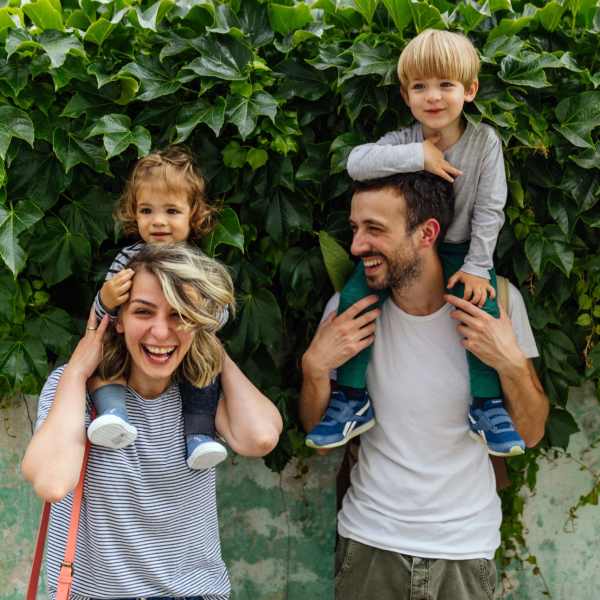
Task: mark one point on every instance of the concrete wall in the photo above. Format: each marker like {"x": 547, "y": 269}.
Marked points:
{"x": 278, "y": 530}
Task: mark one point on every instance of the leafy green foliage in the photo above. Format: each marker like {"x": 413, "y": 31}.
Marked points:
{"x": 272, "y": 96}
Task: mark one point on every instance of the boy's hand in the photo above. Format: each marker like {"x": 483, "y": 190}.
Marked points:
{"x": 434, "y": 160}
{"x": 477, "y": 289}
{"x": 115, "y": 291}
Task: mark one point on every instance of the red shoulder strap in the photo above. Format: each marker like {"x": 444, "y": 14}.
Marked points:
{"x": 65, "y": 577}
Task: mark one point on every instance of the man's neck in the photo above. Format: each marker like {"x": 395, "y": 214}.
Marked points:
{"x": 425, "y": 295}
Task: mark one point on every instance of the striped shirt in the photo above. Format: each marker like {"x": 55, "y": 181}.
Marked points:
{"x": 148, "y": 523}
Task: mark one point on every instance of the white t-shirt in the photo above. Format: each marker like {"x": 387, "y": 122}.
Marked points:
{"x": 422, "y": 486}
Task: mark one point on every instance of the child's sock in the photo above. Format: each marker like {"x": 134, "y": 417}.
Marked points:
{"x": 111, "y": 427}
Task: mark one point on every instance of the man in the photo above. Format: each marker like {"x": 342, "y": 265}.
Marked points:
{"x": 421, "y": 518}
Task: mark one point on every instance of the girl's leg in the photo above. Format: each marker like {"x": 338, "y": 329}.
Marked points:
{"x": 111, "y": 427}
{"x": 199, "y": 406}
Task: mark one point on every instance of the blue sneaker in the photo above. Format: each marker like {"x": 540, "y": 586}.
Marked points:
{"x": 345, "y": 418}
{"x": 491, "y": 423}
{"x": 203, "y": 452}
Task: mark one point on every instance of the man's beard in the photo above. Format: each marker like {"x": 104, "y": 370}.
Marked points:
{"x": 403, "y": 268}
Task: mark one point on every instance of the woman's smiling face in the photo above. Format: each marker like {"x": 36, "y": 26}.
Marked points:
{"x": 154, "y": 335}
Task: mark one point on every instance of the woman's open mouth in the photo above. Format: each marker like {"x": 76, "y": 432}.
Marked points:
{"x": 158, "y": 354}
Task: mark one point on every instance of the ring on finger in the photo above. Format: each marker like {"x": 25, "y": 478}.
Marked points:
{"x": 91, "y": 328}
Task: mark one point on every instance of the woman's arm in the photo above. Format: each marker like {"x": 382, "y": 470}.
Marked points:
{"x": 248, "y": 421}
{"x": 53, "y": 457}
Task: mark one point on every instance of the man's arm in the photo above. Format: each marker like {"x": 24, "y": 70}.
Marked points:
{"x": 493, "y": 341}
{"x": 338, "y": 338}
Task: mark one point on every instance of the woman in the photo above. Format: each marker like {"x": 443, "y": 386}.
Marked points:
{"x": 148, "y": 523}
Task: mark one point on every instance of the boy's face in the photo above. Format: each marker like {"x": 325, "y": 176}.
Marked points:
{"x": 438, "y": 103}
{"x": 162, "y": 214}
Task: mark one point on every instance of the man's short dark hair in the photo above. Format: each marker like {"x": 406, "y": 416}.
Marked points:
{"x": 427, "y": 196}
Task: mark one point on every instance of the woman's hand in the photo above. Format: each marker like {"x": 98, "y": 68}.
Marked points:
{"x": 88, "y": 353}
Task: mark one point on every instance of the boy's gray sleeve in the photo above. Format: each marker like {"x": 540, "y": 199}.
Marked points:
{"x": 488, "y": 212}
{"x": 393, "y": 153}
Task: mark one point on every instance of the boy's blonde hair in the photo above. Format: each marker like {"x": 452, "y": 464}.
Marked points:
{"x": 442, "y": 54}
{"x": 200, "y": 289}
{"x": 176, "y": 167}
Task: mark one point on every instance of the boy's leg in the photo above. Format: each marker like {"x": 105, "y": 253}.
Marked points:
{"x": 488, "y": 416}
{"x": 350, "y": 412}
{"x": 199, "y": 407}
{"x": 111, "y": 427}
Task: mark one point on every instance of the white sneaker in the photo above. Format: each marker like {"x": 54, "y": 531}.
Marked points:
{"x": 111, "y": 431}
{"x": 203, "y": 452}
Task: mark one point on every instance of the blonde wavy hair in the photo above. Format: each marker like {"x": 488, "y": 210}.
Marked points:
{"x": 200, "y": 289}
{"x": 176, "y": 167}
{"x": 442, "y": 54}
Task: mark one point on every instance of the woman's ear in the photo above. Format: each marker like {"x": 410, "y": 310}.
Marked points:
{"x": 119, "y": 325}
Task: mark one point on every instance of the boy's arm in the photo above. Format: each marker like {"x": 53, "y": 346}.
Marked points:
{"x": 488, "y": 212}
{"x": 394, "y": 153}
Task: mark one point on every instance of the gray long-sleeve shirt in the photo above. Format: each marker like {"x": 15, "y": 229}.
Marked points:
{"x": 480, "y": 192}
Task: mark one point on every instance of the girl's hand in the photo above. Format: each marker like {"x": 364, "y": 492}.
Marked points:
{"x": 477, "y": 289}
{"x": 88, "y": 353}
{"x": 115, "y": 291}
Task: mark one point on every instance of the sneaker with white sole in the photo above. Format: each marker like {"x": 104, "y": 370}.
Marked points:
{"x": 203, "y": 452}
{"x": 491, "y": 424}
{"x": 111, "y": 430}
{"x": 345, "y": 418}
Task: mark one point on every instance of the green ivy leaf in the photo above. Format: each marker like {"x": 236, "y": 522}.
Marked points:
{"x": 337, "y": 261}
{"x": 528, "y": 72}
{"x": 286, "y": 19}
{"x": 190, "y": 116}
{"x": 72, "y": 150}
{"x": 254, "y": 21}
{"x": 257, "y": 157}
{"x": 534, "y": 250}
{"x": 44, "y": 14}
{"x": 14, "y": 123}
{"x": 54, "y": 328}
{"x": 228, "y": 232}
{"x": 301, "y": 80}
{"x": 578, "y": 116}
{"x": 59, "y": 252}
{"x": 340, "y": 149}
{"x": 244, "y": 112}
{"x": 301, "y": 272}
{"x": 155, "y": 80}
{"x": 13, "y": 222}
{"x": 117, "y": 135}
{"x": 400, "y": 11}
{"x": 225, "y": 59}
{"x": 57, "y": 45}
{"x": 99, "y": 31}
{"x": 90, "y": 215}
{"x": 378, "y": 60}
{"x": 561, "y": 426}
{"x": 19, "y": 358}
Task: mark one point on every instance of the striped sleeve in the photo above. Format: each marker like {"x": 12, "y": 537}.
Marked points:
{"x": 121, "y": 261}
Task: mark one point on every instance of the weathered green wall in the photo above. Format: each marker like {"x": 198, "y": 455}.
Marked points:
{"x": 278, "y": 530}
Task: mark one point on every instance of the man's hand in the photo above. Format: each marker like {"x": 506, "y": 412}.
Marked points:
{"x": 434, "y": 160}
{"x": 492, "y": 340}
{"x": 115, "y": 291}
{"x": 477, "y": 289}
{"x": 340, "y": 337}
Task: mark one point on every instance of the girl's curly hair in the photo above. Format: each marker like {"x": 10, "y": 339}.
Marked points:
{"x": 176, "y": 167}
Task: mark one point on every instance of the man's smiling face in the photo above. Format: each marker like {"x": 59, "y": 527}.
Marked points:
{"x": 388, "y": 251}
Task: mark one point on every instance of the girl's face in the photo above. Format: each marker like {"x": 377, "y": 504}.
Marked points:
{"x": 162, "y": 213}
{"x": 154, "y": 336}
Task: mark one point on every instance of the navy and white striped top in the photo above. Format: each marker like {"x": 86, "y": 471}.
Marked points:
{"x": 148, "y": 523}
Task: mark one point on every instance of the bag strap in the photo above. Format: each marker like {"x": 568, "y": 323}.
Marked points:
{"x": 65, "y": 577}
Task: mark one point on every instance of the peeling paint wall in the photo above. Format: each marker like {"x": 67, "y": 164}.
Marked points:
{"x": 278, "y": 532}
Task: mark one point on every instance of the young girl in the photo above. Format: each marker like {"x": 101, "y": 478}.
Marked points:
{"x": 164, "y": 202}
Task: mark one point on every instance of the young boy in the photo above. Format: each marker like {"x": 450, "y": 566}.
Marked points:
{"x": 438, "y": 73}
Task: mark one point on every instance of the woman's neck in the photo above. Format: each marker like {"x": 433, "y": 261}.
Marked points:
{"x": 146, "y": 387}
